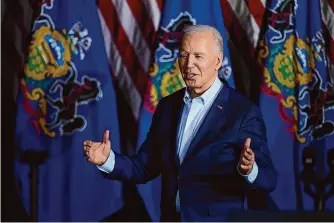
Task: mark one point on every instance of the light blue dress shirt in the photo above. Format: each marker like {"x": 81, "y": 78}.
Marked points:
{"x": 193, "y": 114}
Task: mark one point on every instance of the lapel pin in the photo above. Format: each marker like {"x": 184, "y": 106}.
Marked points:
{"x": 220, "y": 107}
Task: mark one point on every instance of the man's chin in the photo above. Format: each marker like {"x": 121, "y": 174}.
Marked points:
{"x": 190, "y": 83}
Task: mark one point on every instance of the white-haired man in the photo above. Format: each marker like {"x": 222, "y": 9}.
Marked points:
{"x": 206, "y": 141}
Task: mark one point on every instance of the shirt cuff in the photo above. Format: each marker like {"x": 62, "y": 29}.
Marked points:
{"x": 251, "y": 177}
{"x": 109, "y": 165}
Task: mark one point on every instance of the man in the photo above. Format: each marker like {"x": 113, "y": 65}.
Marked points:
{"x": 207, "y": 141}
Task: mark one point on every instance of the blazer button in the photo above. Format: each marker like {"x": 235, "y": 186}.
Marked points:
{"x": 178, "y": 177}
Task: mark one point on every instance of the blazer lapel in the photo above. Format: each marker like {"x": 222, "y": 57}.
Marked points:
{"x": 214, "y": 119}
{"x": 178, "y": 106}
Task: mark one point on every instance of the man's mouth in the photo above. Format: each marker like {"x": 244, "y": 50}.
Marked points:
{"x": 189, "y": 75}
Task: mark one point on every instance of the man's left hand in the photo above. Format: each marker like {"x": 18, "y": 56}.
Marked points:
{"x": 247, "y": 158}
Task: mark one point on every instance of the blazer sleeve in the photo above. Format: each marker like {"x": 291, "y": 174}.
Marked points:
{"x": 253, "y": 127}
{"x": 146, "y": 164}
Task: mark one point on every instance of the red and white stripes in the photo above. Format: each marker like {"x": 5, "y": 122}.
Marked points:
{"x": 129, "y": 29}
{"x": 249, "y": 22}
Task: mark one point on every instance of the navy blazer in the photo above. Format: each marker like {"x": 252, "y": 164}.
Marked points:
{"x": 208, "y": 181}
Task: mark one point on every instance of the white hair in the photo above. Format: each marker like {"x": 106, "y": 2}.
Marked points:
{"x": 205, "y": 28}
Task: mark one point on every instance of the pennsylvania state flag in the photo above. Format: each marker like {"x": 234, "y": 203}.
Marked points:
{"x": 297, "y": 103}
{"x": 66, "y": 96}
{"x": 165, "y": 77}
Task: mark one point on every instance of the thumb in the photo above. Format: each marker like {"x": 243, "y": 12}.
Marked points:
{"x": 247, "y": 143}
{"x": 106, "y": 136}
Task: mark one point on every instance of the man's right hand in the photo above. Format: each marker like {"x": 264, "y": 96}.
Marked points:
{"x": 98, "y": 152}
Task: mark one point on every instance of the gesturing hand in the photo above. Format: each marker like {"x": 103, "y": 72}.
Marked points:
{"x": 247, "y": 158}
{"x": 98, "y": 152}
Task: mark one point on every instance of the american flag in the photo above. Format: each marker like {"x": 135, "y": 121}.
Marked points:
{"x": 129, "y": 29}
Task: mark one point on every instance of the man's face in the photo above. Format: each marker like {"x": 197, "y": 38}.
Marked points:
{"x": 199, "y": 60}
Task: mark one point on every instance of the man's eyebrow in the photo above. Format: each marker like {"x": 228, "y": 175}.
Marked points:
{"x": 195, "y": 53}
{"x": 199, "y": 53}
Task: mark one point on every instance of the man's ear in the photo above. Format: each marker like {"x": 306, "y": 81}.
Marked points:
{"x": 219, "y": 61}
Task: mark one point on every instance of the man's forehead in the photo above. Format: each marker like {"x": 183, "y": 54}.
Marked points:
{"x": 198, "y": 36}
{"x": 191, "y": 39}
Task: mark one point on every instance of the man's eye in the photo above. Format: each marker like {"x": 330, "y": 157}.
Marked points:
{"x": 199, "y": 57}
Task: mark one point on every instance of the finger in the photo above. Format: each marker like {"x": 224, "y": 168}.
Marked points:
{"x": 245, "y": 161}
{"x": 248, "y": 156}
{"x": 87, "y": 147}
{"x": 88, "y": 143}
{"x": 85, "y": 152}
{"x": 106, "y": 136}
{"x": 250, "y": 151}
{"x": 244, "y": 167}
{"x": 247, "y": 143}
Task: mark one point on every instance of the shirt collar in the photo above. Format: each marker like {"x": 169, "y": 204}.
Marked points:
{"x": 208, "y": 95}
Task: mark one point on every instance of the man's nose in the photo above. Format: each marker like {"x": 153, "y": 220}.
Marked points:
{"x": 190, "y": 61}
